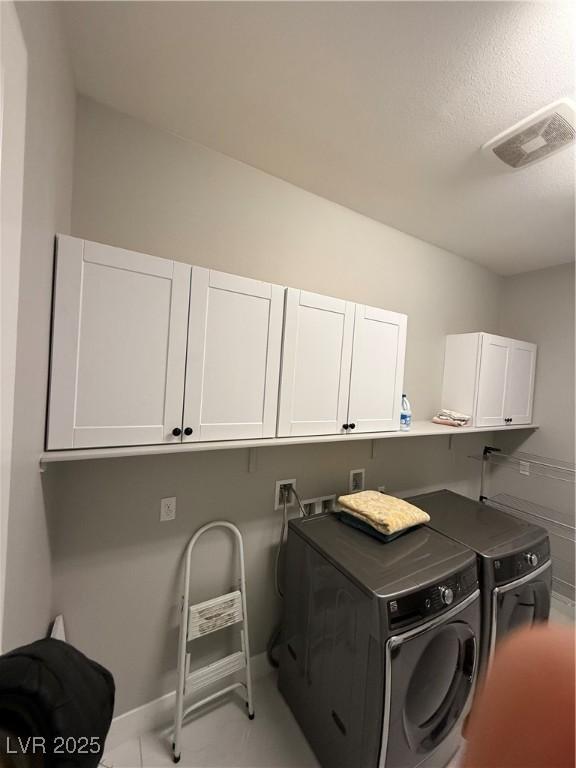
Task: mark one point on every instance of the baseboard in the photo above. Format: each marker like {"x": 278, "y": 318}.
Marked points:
{"x": 158, "y": 714}
{"x": 58, "y": 630}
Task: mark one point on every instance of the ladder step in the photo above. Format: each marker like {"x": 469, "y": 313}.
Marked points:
{"x": 216, "y": 671}
{"x": 215, "y": 614}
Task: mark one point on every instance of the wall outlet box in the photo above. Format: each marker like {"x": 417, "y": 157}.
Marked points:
{"x": 167, "y": 509}
{"x": 382, "y": 488}
{"x": 357, "y": 480}
{"x": 278, "y": 501}
{"x": 319, "y": 504}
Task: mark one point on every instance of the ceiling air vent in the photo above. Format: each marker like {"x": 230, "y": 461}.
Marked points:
{"x": 542, "y": 134}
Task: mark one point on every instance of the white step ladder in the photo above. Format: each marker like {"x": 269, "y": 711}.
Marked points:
{"x": 202, "y": 619}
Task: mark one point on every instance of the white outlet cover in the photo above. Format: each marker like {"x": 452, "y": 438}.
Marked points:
{"x": 277, "y": 502}
{"x": 167, "y": 509}
{"x": 357, "y": 480}
{"x": 319, "y": 504}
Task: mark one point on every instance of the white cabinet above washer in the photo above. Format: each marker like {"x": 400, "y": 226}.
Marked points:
{"x": 489, "y": 377}
{"x": 342, "y": 367}
{"x": 377, "y": 373}
{"x": 316, "y": 357}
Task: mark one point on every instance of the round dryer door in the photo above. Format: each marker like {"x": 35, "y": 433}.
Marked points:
{"x": 431, "y": 677}
{"x": 520, "y": 604}
{"x": 523, "y": 606}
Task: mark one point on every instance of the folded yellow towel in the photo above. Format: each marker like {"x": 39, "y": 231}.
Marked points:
{"x": 386, "y": 514}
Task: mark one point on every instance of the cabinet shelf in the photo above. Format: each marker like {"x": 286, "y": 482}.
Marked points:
{"x": 419, "y": 429}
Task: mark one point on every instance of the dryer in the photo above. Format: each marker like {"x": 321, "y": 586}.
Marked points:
{"x": 514, "y": 562}
{"x": 380, "y": 643}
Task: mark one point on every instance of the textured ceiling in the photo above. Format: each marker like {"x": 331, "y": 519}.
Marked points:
{"x": 381, "y": 107}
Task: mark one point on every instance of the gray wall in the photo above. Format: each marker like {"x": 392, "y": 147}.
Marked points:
{"x": 49, "y": 144}
{"x": 13, "y": 109}
{"x": 115, "y": 566}
{"x": 143, "y": 189}
{"x": 539, "y": 307}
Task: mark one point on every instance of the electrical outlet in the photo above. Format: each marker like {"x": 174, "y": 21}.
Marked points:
{"x": 356, "y": 482}
{"x": 278, "y": 501}
{"x": 328, "y": 503}
{"x": 382, "y": 488}
{"x": 167, "y": 509}
{"x": 311, "y": 507}
{"x": 319, "y": 504}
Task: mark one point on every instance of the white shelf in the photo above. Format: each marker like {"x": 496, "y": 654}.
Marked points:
{"x": 419, "y": 429}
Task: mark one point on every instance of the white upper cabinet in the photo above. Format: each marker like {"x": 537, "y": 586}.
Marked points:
{"x": 148, "y": 351}
{"x": 119, "y": 347}
{"x": 489, "y": 377}
{"x": 316, "y": 360}
{"x": 492, "y": 374}
{"x": 520, "y": 383}
{"x": 377, "y": 370}
{"x": 233, "y": 367}
{"x": 342, "y": 367}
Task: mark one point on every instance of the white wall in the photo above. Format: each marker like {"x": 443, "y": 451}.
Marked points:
{"x": 141, "y": 188}
{"x": 13, "y": 71}
{"x": 539, "y": 307}
{"x": 115, "y": 566}
{"x": 49, "y": 143}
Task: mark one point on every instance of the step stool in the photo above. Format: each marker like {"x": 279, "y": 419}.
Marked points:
{"x": 202, "y": 619}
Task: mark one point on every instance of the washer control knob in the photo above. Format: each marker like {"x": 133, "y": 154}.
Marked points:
{"x": 446, "y": 595}
{"x": 531, "y": 558}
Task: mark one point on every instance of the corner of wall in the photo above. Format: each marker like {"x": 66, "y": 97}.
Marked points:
{"x": 47, "y": 200}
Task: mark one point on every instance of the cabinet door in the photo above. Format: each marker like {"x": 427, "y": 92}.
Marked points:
{"x": 493, "y": 372}
{"x": 233, "y": 366}
{"x": 520, "y": 382}
{"x": 118, "y": 347}
{"x": 377, "y": 369}
{"x": 315, "y": 364}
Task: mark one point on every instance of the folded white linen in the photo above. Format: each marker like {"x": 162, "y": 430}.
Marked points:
{"x": 451, "y": 418}
{"x": 448, "y": 422}
{"x": 445, "y": 413}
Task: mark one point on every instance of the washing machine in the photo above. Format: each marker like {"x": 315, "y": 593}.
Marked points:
{"x": 380, "y": 641}
{"x": 513, "y": 562}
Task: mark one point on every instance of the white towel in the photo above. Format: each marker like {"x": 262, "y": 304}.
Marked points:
{"x": 451, "y": 418}
{"x": 444, "y": 413}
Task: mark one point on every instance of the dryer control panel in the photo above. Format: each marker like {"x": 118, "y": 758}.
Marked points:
{"x": 432, "y": 600}
{"x": 515, "y": 566}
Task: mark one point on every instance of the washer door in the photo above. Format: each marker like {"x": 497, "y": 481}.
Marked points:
{"x": 431, "y": 678}
{"x": 523, "y": 605}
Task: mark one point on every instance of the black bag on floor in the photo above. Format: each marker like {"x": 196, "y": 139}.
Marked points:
{"x": 56, "y": 707}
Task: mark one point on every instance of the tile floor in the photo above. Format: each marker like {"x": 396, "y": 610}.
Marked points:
{"x": 562, "y": 610}
{"x": 224, "y": 737}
